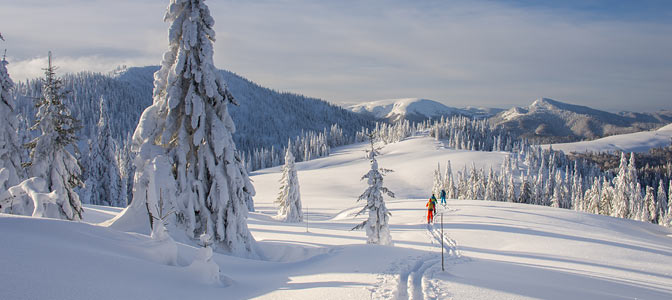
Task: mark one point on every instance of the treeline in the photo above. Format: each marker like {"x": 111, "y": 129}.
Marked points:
{"x": 652, "y": 167}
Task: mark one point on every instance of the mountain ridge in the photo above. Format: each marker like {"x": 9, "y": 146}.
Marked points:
{"x": 550, "y": 120}
{"x": 415, "y": 109}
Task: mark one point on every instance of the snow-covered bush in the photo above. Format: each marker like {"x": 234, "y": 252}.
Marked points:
{"x": 30, "y": 198}
{"x": 203, "y": 266}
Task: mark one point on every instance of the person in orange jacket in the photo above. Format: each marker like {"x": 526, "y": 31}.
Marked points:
{"x": 431, "y": 209}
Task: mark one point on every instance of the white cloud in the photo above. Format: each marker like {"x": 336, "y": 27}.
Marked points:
{"x": 21, "y": 70}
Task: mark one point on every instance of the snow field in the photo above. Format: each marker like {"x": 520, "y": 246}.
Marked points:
{"x": 631, "y": 142}
{"x": 495, "y": 250}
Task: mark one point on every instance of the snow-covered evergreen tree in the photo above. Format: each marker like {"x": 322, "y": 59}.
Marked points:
{"x": 525, "y": 190}
{"x": 493, "y": 189}
{"x": 607, "y": 199}
{"x": 10, "y": 145}
{"x": 289, "y": 198}
{"x": 667, "y": 221}
{"x": 661, "y": 203}
{"x": 103, "y": 182}
{"x": 377, "y": 229}
{"x": 50, "y": 159}
{"x": 649, "y": 206}
{"x": 184, "y": 139}
{"x": 592, "y": 197}
{"x": 437, "y": 186}
{"x": 511, "y": 193}
{"x": 448, "y": 183}
{"x": 622, "y": 184}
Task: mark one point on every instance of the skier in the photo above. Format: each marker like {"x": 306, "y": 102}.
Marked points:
{"x": 431, "y": 209}
{"x": 443, "y": 197}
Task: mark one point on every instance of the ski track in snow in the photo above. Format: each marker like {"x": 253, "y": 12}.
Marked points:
{"x": 414, "y": 278}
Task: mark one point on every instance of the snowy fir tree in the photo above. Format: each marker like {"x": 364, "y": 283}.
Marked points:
{"x": 10, "y": 145}
{"x": 50, "y": 159}
{"x": 289, "y": 198}
{"x": 448, "y": 182}
{"x": 649, "y": 206}
{"x": 622, "y": 185}
{"x": 377, "y": 228}
{"x": 661, "y": 203}
{"x": 184, "y": 140}
{"x": 667, "y": 221}
{"x": 438, "y": 181}
{"x": 103, "y": 182}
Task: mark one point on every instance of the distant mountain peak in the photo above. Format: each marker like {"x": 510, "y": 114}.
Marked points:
{"x": 558, "y": 121}
{"x": 415, "y": 109}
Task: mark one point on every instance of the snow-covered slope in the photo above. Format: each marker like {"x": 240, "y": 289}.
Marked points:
{"x": 415, "y": 109}
{"x": 631, "y": 142}
{"x": 495, "y": 250}
{"x": 553, "y": 120}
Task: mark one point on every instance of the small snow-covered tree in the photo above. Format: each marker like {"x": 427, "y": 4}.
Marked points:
{"x": 622, "y": 186}
{"x": 449, "y": 183}
{"x": 511, "y": 193}
{"x": 649, "y": 206}
{"x": 103, "y": 181}
{"x": 203, "y": 265}
{"x": 377, "y": 229}
{"x": 607, "y": 198}
{"x": 289, "y": 198}
{"x": 188, "y": 127}
{"x": 49, "y": 155}
{"x": 438, "y": 181}
{"x": 661, "y": 203}
{"x": 592, "y": 197}
{"x": 10, "y": 145}
{"x": 492, "y": 190}
{"x": 525, "y": 190}
{"x": 667, "y": 221}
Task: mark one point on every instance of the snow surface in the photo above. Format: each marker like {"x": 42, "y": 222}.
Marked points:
{"x": 631, "y": 142}
{"x": 495, "y": 250}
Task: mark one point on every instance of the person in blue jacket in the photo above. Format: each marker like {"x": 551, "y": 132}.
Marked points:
{"x": 443, "y": 197}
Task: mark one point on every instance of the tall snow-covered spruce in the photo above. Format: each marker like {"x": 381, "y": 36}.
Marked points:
{"x": 50, "y": 159}
{"x": 185, "y": 151}
{"x": 289, "y": 198}
{"x": 10, "y": 145}
{"x": 377, "y": 229}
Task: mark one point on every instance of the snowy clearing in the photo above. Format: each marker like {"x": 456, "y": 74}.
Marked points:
{"x": 494, "y": 250}
{"x": 631, "y": 142}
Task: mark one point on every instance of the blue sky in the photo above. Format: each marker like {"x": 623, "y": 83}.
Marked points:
{"x": 608, "y": 54}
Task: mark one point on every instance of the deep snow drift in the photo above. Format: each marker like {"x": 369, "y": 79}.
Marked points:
{"x": 494, "y": 250}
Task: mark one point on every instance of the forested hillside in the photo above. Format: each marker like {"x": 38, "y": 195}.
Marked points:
{"x": 263, "y": 118}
